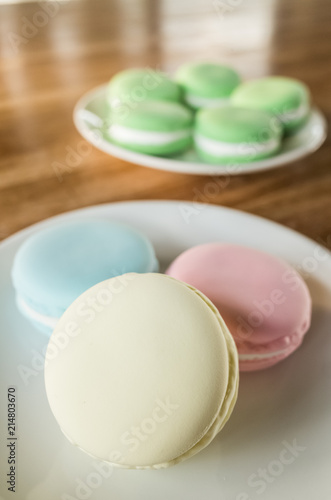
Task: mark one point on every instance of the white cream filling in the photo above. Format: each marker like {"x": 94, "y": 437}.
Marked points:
{"x": 294, "y": 114}
{"x": 251, "y": 357}
{"x": 205, "y": 102}
{"x": 218, "y": 148}
{"x": 27, "y": 310}
{"x": 133, "y": 136}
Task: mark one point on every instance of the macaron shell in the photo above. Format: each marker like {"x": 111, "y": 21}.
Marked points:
{"x": 275, "y": 94}
{"x": 207, "y": 79}
{"x": 231, "y": 393}
{"x": 55, "y": 265}
{"x": 264, "y": 302}
{"x": 171, "y": 351}
{"x": 237, "y": 125}
{"x": 155, "y": 116}
{"x": 132, "y": 86}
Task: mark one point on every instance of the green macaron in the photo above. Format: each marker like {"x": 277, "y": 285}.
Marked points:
{"x": 287, "y": 98}
{"x": 227, "y": 135}
{"x": 153, "y": 127}
{"x": 206, "y": 84}
{"x": 132, "y": 86}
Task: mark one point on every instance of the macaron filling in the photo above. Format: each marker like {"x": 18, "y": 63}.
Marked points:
{"x": 281, "y": 347}
{"x": 121, "y": 133}
{"x": 33, "y": 315}
{"x": 294, "y": 114}
{"x": 267, "y": 355}
{"x": 219, "y": 148}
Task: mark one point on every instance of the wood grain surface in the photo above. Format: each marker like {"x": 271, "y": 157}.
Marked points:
{"x": 51, "y": 54}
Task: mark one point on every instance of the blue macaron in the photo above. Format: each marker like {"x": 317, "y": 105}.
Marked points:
{"x": 56, "y": 265}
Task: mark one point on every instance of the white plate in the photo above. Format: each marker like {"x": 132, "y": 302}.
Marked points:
{"x": 276, "y": 407}
{"x": 91, "y": 113}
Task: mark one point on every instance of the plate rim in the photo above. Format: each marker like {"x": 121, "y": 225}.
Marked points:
{"x": 177, "y": 166}
{"x": 211, "y": 206}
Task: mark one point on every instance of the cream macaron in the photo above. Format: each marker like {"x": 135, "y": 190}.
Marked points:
{"x": 141, "y": 371}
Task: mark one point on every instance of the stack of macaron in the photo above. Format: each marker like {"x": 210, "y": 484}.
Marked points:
{"x": 156, "y": 355}
{"x": 147, "y": 114}
{"x": 205, "y": 106}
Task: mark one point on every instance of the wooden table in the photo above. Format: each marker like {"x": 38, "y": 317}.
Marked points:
{"x": 49, "y": 58}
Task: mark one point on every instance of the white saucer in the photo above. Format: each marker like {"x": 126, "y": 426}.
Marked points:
{"x": 91, "y": 112}
{"x": 286, "y": 406}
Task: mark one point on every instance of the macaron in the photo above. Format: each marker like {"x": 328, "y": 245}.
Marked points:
{"x": 153, "y": 127}
{"x": 206, "y": 85}
{"x": 287, "y": 98}
{"x": 132, "y": 86}
{"x": 57, "y": 264}
{"x": 263, "y": 300}
{"x": 236, "y": 135}
{"x": 145, "y": 380}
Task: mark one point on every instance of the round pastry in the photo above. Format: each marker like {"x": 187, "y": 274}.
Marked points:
{"x": 286, "y": 98}
{"x": 132, "y": 86}
{"x": 236, "y": 135}
{"x": 145, "y": 380}
{"x": 55, "y": 265}
{"x": 153, "y": 127}
{"x": 264, "y": 301}
{"x": 206, "y": 85}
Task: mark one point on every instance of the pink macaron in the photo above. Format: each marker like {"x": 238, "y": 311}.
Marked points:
{"x": 264, "y": 301}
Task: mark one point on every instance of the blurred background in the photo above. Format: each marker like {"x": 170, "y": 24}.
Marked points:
{"x": 52, "y": 52}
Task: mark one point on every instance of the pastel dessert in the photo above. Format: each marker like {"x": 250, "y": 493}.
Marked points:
{"x": 206, "y": 85}
{"x": 57, "y": 264}
{"x": 226, "y": 135}
{"x": 132, "y": 86}
{"x": 153, "y": 127}
{"x": 287, "y": 98}
{"x": 146, "y": 380}
{"x": 263, "y": 300}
